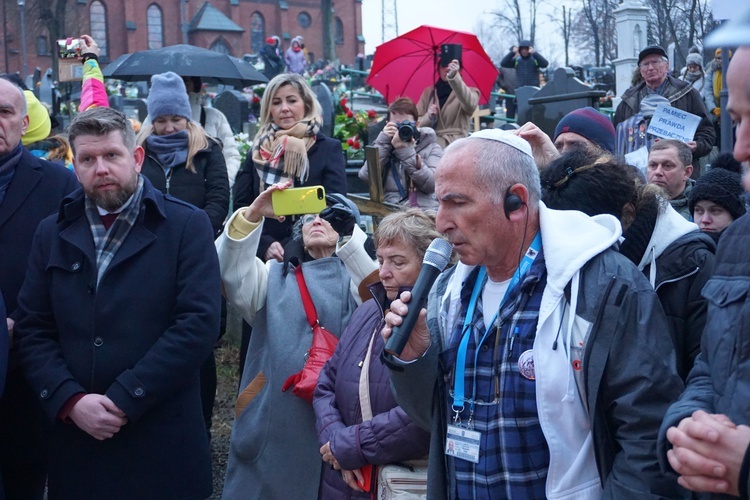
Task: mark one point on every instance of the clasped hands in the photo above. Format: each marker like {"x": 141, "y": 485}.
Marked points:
{"x": 707, "y": 451}
{"x": 98, "y": 416}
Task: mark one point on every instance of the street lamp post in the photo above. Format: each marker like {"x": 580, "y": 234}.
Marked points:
{"x": 183, "y": 12}
{"x": 22, "y": 5}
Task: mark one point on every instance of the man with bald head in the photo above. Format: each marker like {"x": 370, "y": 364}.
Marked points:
{"x": 532, "y": 353}
{"x": 705, "y": 436}
{"x": 30, "y": 190}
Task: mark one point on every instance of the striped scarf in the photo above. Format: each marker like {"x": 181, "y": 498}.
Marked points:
{"x": 280, "y": 155}
{"x": 108, "y": 242}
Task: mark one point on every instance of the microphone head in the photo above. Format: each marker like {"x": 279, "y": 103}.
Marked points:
{"x": 438, "y": 254}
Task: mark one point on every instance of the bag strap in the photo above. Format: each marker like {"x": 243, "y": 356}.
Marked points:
{"x": 310, "y": 312}
{"x": 364, "y": 381}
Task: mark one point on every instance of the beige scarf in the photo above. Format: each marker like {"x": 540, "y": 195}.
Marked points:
{"x": 281, "y": 155}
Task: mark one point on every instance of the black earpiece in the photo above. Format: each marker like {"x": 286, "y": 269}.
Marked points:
{"x": 512, "y": 203}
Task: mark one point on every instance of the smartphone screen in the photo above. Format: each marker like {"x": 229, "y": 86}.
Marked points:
{"x": 69, "y": 48}
{"x": 299, "y": 201}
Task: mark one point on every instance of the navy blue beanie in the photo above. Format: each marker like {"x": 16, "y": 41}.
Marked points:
{"x": 590, "y": 124}
{"x": 168, "y": 97}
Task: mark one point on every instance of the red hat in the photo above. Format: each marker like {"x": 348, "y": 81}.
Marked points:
{"x": 270, "y": 40}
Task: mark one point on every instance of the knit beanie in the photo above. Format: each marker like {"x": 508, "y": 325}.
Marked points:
{"x": 168, "y": 97}
{"x": 39, "y": 122}
{"x": 694, "y": 59}
{"x": 719, "y": 186}
{"x": 591, "y": 124}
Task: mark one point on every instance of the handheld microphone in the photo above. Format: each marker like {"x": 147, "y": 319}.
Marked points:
{"x": 436, "y": 257}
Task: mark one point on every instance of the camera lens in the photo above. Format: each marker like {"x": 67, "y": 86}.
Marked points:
{"x": 407, "y": 131}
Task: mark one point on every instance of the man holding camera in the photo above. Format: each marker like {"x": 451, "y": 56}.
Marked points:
{"x": 408, "y": 157}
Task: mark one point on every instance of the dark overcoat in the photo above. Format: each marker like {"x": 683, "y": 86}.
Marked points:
{"x": 34, "y": 193}
{"x": 139, "y": 338}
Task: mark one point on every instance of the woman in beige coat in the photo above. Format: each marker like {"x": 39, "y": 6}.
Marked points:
{"x": 448, "y": 105}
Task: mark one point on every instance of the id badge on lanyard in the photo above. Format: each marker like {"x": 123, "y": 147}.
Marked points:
{"x": 462, "y": 441}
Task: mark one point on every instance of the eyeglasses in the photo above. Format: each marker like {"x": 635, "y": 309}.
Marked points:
{"x": 646, "y": 64}
{"x": 308, "y": 219}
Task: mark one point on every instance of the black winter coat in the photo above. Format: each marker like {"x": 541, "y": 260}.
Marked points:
{"x": 681, "y": 272}
{"x": 34, "y": 193}
{"x": 207, "y": 188}
{"x": 139, "y": 337}
{"x": 327, "y": 168}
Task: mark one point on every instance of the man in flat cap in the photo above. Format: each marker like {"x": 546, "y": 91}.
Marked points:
{"x": 654, "y": 67}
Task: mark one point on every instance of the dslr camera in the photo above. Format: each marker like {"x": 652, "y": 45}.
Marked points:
{"x": 407, "y": 131}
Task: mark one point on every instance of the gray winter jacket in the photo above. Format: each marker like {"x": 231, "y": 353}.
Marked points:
{"x": 718, "y": 382}
{"x": 629, "y": 376}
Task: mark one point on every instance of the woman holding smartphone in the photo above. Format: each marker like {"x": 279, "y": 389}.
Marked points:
{"x": 448, "y": 105}
{"x": 288, "y": 145}
{"x": 273, "y": 450}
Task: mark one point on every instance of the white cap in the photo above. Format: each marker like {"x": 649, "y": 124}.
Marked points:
{"x": 506, "y": 137}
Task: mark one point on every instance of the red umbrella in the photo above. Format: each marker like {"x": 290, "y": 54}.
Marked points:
{"x": 406, "y": 65}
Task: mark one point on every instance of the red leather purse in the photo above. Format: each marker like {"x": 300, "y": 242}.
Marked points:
{"x": 323, "y": 345}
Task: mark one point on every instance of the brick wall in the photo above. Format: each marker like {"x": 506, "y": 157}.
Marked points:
{"x": 127, "y": 27}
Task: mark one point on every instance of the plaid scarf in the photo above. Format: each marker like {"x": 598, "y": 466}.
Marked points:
{"x": 280, "y": 155}
{"x": 108, "y": 242}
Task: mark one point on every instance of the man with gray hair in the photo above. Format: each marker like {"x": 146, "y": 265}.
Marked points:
{"x": 654, "y": 68}
{"x": 544, "y": 355}
{"x": 30, "y": 190}
{"x": 117, "y": 314}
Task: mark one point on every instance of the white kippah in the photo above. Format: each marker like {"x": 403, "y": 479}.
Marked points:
{"x": 506, "y": 137}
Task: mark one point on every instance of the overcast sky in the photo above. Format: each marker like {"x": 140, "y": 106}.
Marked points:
{"x": 411, "y": 14}
{"x": 463, "y": 15}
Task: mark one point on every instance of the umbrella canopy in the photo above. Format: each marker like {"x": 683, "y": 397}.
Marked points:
{"x": 185, "y": 60}
{"x": 406, "y": 65}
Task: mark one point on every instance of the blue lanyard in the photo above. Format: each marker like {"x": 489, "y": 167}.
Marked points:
{"x": 459, "y": 375}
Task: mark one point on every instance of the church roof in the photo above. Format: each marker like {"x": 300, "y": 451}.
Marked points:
{"x": 209, "y": 18}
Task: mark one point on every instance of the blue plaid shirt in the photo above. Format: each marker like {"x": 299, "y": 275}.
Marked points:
{"x": 513, "y": 454}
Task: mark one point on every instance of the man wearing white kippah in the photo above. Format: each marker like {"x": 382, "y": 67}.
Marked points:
{"x": 544, "y": 355}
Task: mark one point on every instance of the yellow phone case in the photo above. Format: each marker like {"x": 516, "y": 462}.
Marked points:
{"x": 298, "y": 201}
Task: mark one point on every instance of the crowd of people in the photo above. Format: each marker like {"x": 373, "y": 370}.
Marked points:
{"x": 587, "y": 339}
